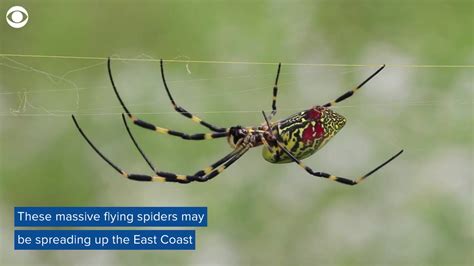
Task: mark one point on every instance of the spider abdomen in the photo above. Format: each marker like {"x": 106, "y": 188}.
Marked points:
{"x": 304, "y": 133}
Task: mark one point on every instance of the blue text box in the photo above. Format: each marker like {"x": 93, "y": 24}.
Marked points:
{"x": 105, "y": 240}
{"x": 110, "y": 216}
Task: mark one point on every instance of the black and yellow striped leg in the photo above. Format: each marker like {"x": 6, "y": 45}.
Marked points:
{"x": 354, "y": 90}
{"x": 218, "y": 170}
{"x": 183, "y": 111}
{"x": 147, "y": 125}
{"x": 197, "y": 136}
{"x": 275, "y": 93}
{"x": 209, "y": 172}
{"x": 333, "y": 177}
{"x": 203, "y": 172}
{"x": 200, "y": 173}
{"x": 161, "y": 176}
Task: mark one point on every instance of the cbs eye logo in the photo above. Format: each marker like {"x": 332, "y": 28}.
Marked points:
{"x": 17, "y": 17}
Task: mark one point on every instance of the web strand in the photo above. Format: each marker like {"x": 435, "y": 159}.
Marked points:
{"x": 27, "y": 107}
{"x": 234, "y": 62}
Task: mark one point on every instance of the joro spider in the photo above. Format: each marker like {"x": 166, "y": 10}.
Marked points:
{"x": 288, "y": 140}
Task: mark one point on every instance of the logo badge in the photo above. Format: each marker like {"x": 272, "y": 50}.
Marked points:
{"x": 17, "y": 17}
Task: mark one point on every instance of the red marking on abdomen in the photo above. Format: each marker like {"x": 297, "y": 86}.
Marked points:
{"x": 313, "y": 132}
{"x": 313, "y": 114}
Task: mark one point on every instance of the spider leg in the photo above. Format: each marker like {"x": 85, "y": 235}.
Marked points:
{"x": 136, "y": 144}
{"x": 221, "y": 169}
{"x": 183, "y": 111}
{"x": 161, "y": 176}
{"x": 202, "y": 172}
{"x": 333, "y": 177}
{"x": 354, "y": 90}
{"x": 147, "y": 125}
{"x": 275, "y": 93}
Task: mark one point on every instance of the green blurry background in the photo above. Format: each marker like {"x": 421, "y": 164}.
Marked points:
{"x": 416, "y": 211}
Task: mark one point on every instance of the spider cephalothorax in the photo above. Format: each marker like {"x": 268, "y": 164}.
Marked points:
{"x": 284, "y": 141}
{"x": 236, "y": 135}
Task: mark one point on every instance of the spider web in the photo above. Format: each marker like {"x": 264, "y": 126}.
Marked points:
{"x": 29, "y": 104}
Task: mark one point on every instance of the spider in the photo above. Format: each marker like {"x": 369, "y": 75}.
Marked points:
{"x": 284, "y": 141}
